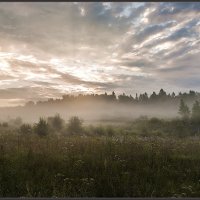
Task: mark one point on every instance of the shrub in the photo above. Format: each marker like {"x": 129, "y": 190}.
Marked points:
{"x": 42, "y": 128}
{"x": 25, "y": 129}
{"x": 56, "y": 122}
{"x": 75, "y": 125}
{"x": 5, "y": 124}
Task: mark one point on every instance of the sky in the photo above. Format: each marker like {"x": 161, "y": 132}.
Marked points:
{"x": 48, "y": 49}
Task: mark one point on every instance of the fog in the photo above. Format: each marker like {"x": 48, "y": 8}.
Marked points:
{"x": 91, "y": 112}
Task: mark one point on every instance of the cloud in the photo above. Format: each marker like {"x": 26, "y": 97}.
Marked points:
{"x": 24, "y": 92}
{"x": 180, "y": 7}
{"x": 150, "y": 30}
{"x": 97, "y": 46}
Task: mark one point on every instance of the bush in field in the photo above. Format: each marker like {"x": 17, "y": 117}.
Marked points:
{"x": 75, "y": 125}
{"x": 56, "y": 122}
{"x": 25, "y": 129}
{"x": 42, "y": 128}
{"x": 5, "y": 124}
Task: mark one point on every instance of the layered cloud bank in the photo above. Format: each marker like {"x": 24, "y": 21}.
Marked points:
{"x": 48, "y": 49}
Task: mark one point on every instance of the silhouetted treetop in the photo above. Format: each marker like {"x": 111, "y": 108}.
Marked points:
{"x": 142, "y": 98}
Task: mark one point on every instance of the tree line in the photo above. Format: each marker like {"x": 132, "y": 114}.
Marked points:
{"x": 143, "y": 98}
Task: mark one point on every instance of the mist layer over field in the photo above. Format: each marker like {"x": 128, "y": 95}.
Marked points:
{"x": 91, "y": 112}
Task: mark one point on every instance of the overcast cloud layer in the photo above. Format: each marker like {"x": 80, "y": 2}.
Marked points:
{"x": 48, "y": 49}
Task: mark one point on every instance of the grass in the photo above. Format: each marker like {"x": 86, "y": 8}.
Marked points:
{"x": 99, "y": 166}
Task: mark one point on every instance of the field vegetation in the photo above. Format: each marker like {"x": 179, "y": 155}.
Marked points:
{"x": 148, "y": 157}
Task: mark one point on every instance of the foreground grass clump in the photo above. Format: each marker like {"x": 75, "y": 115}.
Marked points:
{"x": 86, "y": 166}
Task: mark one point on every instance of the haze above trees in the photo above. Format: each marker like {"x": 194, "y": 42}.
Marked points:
{"x": 106, "y": 107}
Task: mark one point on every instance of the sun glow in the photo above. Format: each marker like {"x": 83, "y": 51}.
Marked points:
{"x": 81, "y": 69}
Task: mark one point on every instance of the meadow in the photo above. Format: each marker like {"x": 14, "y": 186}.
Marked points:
{"x": 138, "y": 159}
